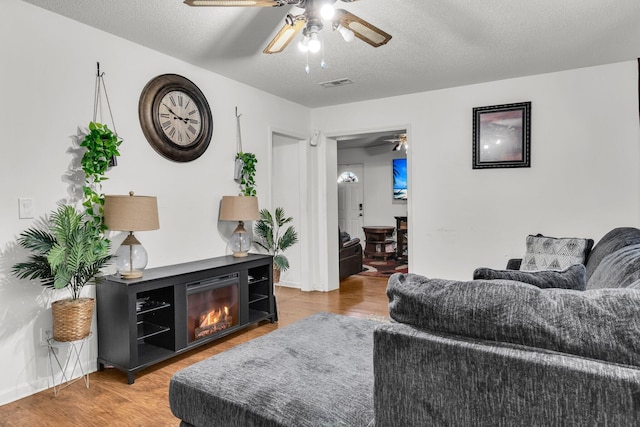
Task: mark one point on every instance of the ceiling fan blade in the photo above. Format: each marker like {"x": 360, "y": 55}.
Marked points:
{"x": 287, "y": 33}
{"x": 235, "y": 3}
{"x": 362, "y": 29}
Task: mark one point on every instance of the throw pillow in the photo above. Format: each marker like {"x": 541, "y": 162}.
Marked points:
{"x": 573, "y": 277}
{"x": 619, "y": 269}
{"x": 600, "y": 324}
{"x": 550, "y": 253}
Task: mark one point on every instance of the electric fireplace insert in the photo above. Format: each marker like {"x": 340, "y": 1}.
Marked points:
{"x": 212, "y": 306}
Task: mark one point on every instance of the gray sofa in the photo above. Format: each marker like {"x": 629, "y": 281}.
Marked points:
{"x": 494, "y": 352}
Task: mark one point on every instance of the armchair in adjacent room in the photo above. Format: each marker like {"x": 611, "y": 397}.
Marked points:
{"x": 350, "y": 255}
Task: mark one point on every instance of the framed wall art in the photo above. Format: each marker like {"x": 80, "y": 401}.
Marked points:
{"x": 502, "y": 136}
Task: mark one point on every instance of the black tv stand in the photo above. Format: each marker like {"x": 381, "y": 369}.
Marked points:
{"x": 144, "y": 321}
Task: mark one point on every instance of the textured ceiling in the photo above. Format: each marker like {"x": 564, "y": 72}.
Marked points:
{"x": 436, "y": 43}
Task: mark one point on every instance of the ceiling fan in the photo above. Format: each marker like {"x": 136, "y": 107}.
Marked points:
{"x": 310, "y": 22}
{"x": 400, "y": 141}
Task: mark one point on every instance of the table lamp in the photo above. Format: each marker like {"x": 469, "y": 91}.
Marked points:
{"x": 239, "y": 208}
{"x": 131, "y": 213}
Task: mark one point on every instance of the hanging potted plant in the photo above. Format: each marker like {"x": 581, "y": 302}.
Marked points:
{"x": 70, "y": 254}
{"x": 270, "y": 237}
{"x": 102, "y": 150}
{"x": 247, "y": 177}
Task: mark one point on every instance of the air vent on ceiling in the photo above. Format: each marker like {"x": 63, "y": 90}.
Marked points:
{"x": 336, "y": 83}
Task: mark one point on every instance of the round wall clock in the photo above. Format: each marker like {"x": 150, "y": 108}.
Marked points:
{"x": 175, "y": 117}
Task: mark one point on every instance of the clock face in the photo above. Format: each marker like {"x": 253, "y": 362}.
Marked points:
{"x": 179, "y": 117}
{"x": 175, "y": 117}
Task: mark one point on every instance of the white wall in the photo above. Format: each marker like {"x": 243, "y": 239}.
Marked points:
{"x": 583, "y": 179}
{"x": 286, "y": 190}
{"x": 379, "y": 206}
{"x": 48, "y": 75}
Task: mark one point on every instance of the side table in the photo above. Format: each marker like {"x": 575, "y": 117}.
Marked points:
{"x": 73, "y": 356}
{"x": 379, "y": 242}
{"x": 402, "y": 236}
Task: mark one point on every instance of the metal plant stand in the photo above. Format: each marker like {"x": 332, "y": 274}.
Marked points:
{"x": 73, "y": 356}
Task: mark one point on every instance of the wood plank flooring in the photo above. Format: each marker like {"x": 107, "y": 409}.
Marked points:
{"x": 109, "y": 401}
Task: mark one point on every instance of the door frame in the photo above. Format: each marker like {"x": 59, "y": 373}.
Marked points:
{"x": 332, "y": 215}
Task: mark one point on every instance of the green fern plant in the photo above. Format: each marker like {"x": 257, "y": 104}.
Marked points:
{"x": 269, "y": 236}
{"x": 102, "y": 145}
{"x": 69, "y": 254}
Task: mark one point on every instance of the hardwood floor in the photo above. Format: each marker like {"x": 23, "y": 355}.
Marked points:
{"x": 109, "y": 401}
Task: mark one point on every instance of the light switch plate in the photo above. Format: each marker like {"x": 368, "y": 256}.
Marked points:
{"x": 25, "y": 208}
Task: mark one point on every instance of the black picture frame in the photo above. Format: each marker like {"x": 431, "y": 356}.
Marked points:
{"x": 502, "y": 136}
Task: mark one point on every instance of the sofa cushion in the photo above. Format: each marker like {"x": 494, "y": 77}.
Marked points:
{"x": 601, "y": 324}
{"x": 618, "y": 269}
{"x": 572, "y": 277}
{"x": 612, "y": 241}
{"x": 551, "y": 253}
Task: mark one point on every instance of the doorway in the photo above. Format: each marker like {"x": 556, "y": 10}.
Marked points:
{"x": 351, "y": 199}
{"x": 372, "y": 200}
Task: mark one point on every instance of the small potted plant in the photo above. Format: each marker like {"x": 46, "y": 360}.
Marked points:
{"x": 68, "y": 255}
{"x": 268, "y": 230}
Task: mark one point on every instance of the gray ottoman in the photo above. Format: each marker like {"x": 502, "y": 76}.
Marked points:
{"x": 316, "y": 372}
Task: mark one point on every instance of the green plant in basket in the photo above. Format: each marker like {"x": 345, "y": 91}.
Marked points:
{"x": 69, "y": 254}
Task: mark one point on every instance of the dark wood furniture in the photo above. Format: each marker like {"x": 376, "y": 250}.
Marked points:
{"x": 350, "y": 257}
{"x": 379, "y": 242}
{"x": 144, "y": 321}
{"x": 402, "y": 236}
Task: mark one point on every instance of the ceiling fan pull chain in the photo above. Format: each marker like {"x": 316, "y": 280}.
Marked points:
{"x": 306, "y": 68}
{"x": 323, "y": 63}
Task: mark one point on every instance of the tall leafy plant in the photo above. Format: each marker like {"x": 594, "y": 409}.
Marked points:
{"x": 69, "y": 254}
{"x": 270, "y": 236}
{"x": 102, "y": 146}
{"x": 248, "y": 177}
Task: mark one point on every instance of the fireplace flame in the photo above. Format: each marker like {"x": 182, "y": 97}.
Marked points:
{"x": 214, "y": 317}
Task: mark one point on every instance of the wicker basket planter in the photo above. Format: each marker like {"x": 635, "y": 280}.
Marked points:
{"x": 72, "y": 318}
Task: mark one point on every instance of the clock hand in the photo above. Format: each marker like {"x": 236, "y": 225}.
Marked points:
{"x": 175, "y": 115}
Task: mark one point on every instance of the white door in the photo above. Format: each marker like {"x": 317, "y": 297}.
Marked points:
{"x": 350, "y": 199}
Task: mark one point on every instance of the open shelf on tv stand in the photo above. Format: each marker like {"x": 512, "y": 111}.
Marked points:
{"x": 144, "y": 321}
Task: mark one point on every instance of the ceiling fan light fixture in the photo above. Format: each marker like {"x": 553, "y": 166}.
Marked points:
{"x": 346, "y": 33}
{"x": 314, "y": 43}
{"x": 327, "y": 11}
{"x": 303, "y": 44}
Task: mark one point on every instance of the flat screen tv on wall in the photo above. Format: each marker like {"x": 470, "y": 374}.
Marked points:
{"x": 400, "y": 179}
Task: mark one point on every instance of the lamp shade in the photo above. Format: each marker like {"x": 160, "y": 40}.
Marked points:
{"x": 131, "y": 213}
{"x": 239, "y": 208}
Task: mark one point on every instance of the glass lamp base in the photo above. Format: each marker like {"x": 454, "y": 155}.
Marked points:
{"x": 240, "y": 241}
{"x": 133, "y": 274}
{"x": 131, "y": 258}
